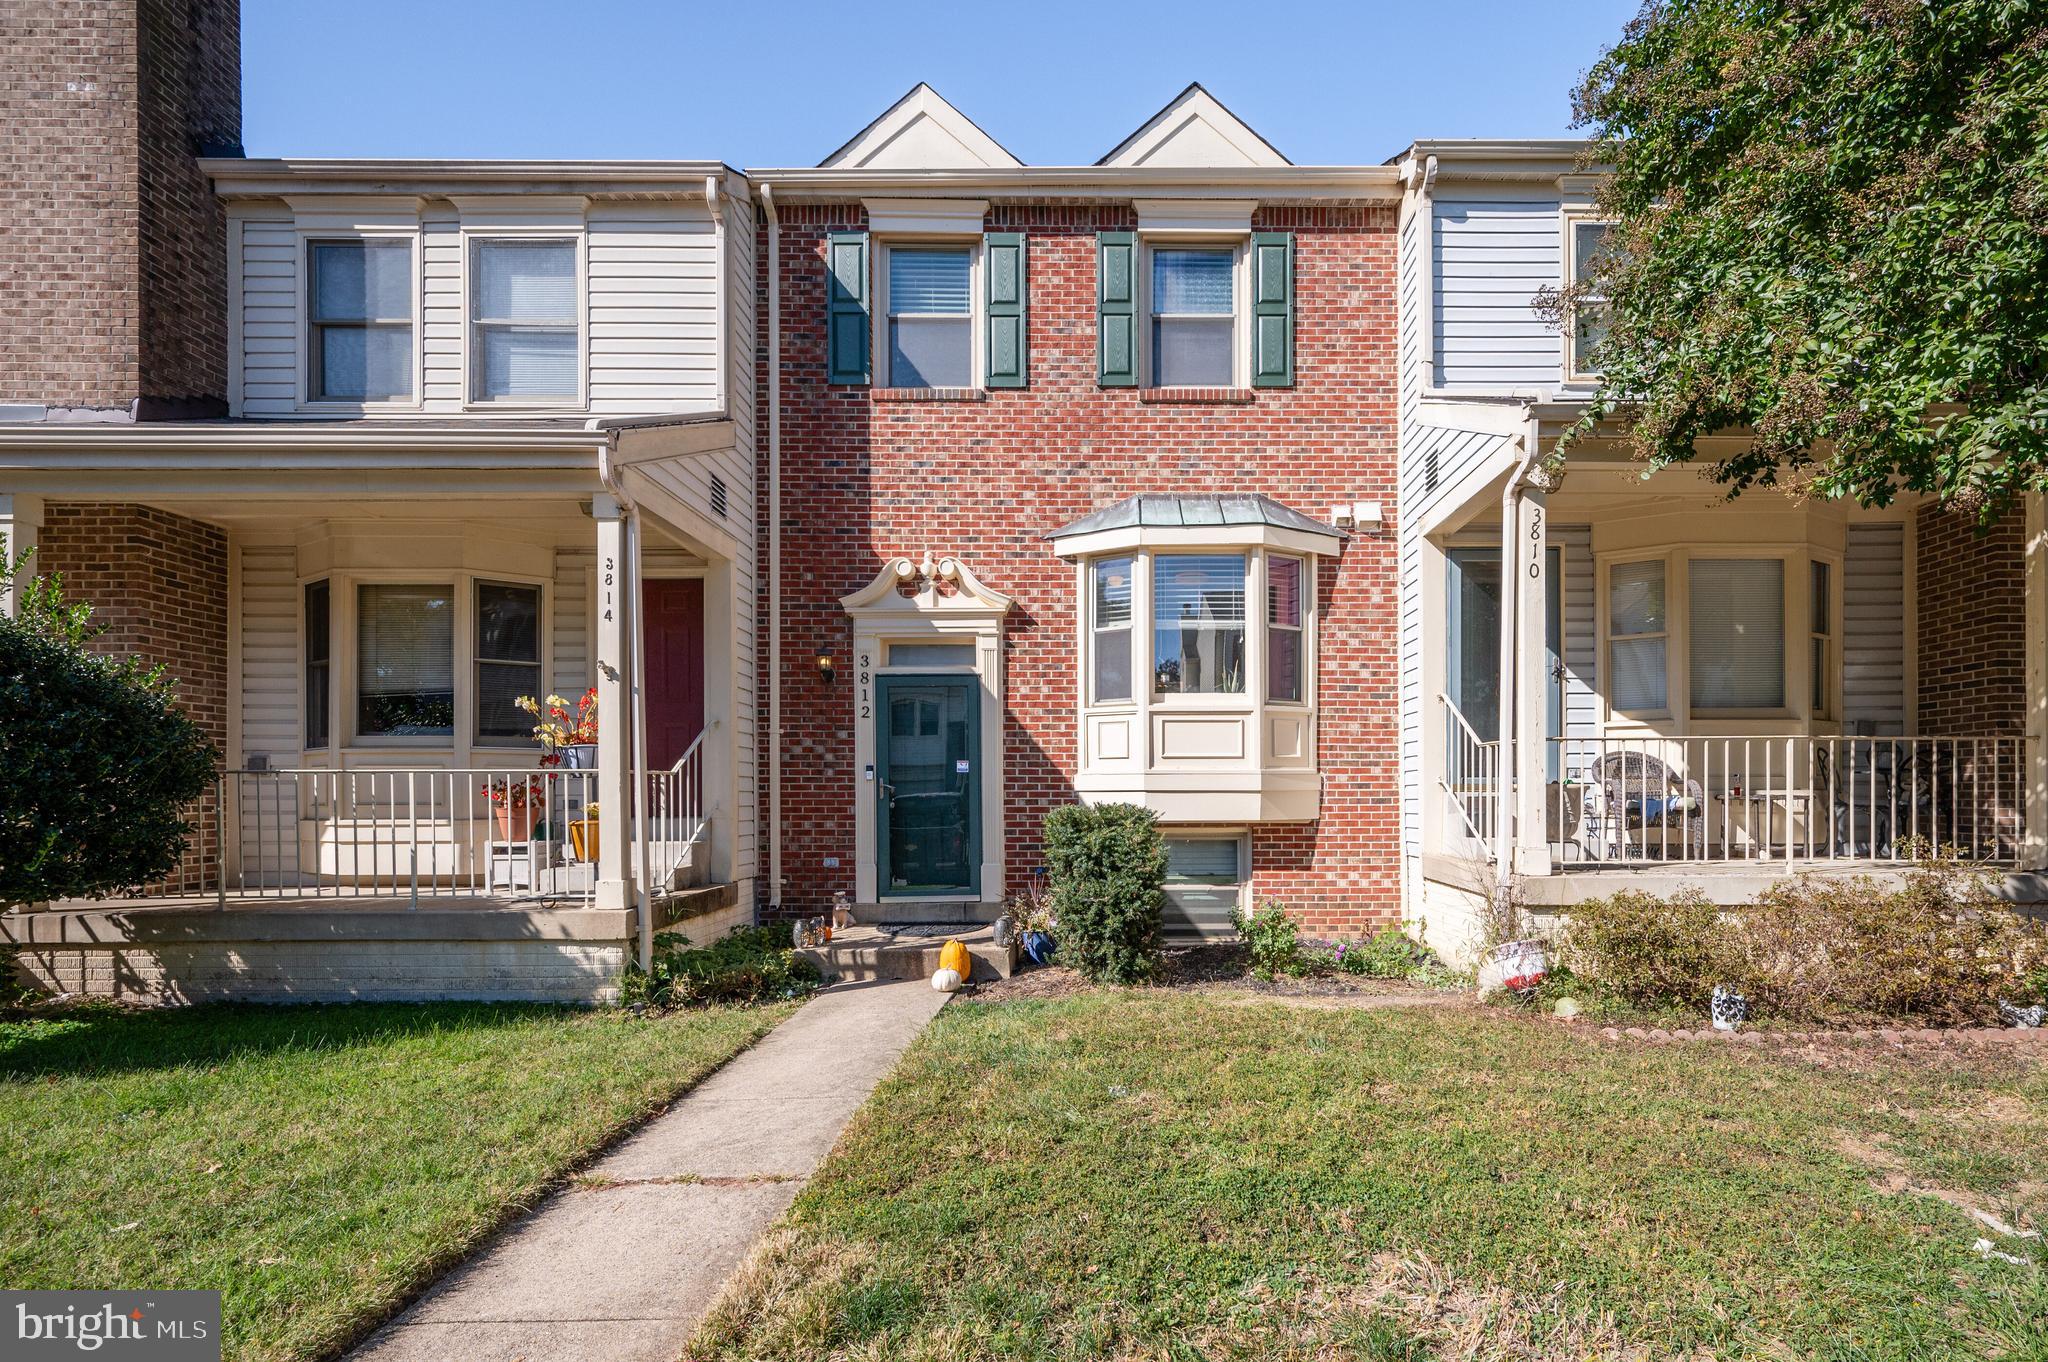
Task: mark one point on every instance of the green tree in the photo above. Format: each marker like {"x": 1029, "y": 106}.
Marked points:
{"x": 1832, "y": 230}
{"x": 98, "y": 766}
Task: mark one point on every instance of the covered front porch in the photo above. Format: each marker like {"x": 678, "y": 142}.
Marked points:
{"x": 389, "y": 627}
{"x": 1713, "y": 693}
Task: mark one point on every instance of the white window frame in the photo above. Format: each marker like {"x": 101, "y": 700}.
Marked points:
{"x": 1571, "y": 222}
{"x": 1797, "y": 607}
{"x": 477, "y": 660}
{"x": 880, "y": 247}
{"x": 307, "y": 398}
{"x": 1824, "y": 688}
{"x": 344, "y": 656}
{"x": 478, "y": 235}
{"x": 1239, "y": 246}
{"x": 1129, "y": 628}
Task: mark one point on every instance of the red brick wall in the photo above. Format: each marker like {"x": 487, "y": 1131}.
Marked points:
{"x": 1972, "y": 625}
{"x": 113, "y": 261}
{"x": 864, "y": 480}
{"x": 158, "y": 585}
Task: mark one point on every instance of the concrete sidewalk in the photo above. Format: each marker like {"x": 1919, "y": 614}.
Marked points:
{"x": 622, "y": 1266}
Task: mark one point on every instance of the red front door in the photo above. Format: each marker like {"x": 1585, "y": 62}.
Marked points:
{"x": 674, "y": 634}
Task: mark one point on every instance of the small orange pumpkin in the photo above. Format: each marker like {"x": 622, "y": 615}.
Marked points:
{"x": 954, "y": 956}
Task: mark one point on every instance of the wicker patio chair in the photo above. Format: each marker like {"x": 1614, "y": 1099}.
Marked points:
{"x": 1641, "y": 792}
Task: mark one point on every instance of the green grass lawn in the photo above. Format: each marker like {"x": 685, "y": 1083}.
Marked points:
{"x": 314, "y": 1164}
{"x": 1160, "y": 1176}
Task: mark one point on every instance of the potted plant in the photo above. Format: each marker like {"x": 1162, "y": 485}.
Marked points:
{"x": 515, "y": 803}
{"x": 567, "y": 736}
{"x": 583, "y": 833}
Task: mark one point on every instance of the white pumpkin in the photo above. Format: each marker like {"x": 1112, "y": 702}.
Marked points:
{"x": 946, "y": 981}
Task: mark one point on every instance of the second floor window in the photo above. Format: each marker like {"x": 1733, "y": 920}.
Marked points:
{"x": 1589, "y": 311}
{"x": 931, "y": 328}
{"x": 527, "y": 344}
{"x": 1194, "y": 323}
{"x": 361, "y": 295}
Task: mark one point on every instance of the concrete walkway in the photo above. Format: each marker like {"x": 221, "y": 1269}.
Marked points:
{"x": 623, "y": 1265}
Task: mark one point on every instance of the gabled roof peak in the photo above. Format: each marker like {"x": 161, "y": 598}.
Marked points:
{"x": 1194, "y": 129}
{"x": 920, "y": 131}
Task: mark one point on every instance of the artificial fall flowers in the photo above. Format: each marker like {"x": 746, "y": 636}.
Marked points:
{"x": 560, "y": 726}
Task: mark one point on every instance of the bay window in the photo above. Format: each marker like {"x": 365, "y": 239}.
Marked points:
{"x": 507, "y": 660}
{"x": 1198, "y": 624}
{"x": 1112, "y": 628}
{"x": 1821, "y": 650}
{"x": 405, "y": 661}
{"x": 1737, "y": 652}
{"x": 1283, "y": 629}
{"x": 319, "y": 665}
{"x": 1638, "y": 634}
{"x": 1197, "y": 641}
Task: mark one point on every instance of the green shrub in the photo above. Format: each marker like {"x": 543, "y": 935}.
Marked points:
{"x": 1389, "y": 953}
{"x": 752, "y": 965}
{"x": 1106, "y": 864}
{"x": 98, "y": 765}
{"x": 1272, "y": 938}
{"x": 1651, "y": 951}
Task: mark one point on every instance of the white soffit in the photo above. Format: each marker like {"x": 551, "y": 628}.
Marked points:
{"x": 929, "y": 217}
{"x": 1195, "y": 130}
{"x": 920, "y": 132}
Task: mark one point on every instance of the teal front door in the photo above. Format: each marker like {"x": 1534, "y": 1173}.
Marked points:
{"x": 928, "y": 785}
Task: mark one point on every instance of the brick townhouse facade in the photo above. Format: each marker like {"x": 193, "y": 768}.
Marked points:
{"x": 983, "y": 473}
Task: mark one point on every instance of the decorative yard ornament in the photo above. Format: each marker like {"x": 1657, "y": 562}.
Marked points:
{"x": 2022, "y": 1018}
{"x": 954, "y": 956}
{"x": 1728, "y": 1008}
{"x": 947, "y": 981}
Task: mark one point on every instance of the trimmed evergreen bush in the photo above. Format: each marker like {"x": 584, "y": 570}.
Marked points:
{"x": 1107, "y": 864}
{"x": 98, "y": 765}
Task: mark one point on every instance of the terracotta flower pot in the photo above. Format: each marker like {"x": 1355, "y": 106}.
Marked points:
{"x": 515, "y": 824}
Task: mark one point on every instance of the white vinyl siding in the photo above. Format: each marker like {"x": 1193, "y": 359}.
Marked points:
{"x": 1489, "y": 258}
{"x": 271, "y": 689}
{"x": 651, "y": 299}
{"x": 1873, "y": 630}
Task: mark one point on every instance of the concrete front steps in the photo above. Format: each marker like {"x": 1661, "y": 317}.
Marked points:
{"x": 867, "y": 951}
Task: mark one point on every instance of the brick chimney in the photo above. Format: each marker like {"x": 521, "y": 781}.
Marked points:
{"x": 113, "y": 261}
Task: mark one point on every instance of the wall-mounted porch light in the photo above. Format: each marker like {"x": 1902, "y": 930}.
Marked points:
{"x": 825, "y": 667}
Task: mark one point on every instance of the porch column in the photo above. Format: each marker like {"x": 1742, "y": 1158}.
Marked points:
{"x": 21, "y": 522}
{"x": 614, "y": 678}
{"x": 1531, "y": 665}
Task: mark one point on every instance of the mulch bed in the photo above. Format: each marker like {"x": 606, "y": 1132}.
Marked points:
{"x": 1191, "y": 969}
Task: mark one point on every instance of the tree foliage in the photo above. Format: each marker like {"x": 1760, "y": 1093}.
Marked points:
{"x": 97, "y": 764}
{"x": 1832, "y": 230}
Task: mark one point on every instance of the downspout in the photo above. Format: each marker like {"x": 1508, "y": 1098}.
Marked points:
{"x": 1510, "y": 664}
{"x": 774, "y": 547}
{"x": 608, "y": 474}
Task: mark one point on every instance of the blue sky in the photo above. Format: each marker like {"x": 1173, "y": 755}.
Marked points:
{"x": 781, "y": 84}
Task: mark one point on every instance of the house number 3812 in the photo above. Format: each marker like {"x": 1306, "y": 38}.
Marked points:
{"x": 866, "y": 676}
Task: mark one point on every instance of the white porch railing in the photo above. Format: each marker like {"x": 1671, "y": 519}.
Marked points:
{"x": 1471, "y": 774}
{"x": 1793, "y": 800}
{"x": 678, "y": 826}
{"x": 420, "y": 835}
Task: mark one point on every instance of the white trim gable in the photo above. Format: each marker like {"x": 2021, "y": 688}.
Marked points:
{"x": 1195, "y": 130}
{"x": 920, "y": 131}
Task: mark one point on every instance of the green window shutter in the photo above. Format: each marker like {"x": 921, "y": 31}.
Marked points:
{"x": 1272, "y": 309}
{"x": 1009, "y": 361}
{"x": 1116, "y": 309}
{"x": 847, "y": 327}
